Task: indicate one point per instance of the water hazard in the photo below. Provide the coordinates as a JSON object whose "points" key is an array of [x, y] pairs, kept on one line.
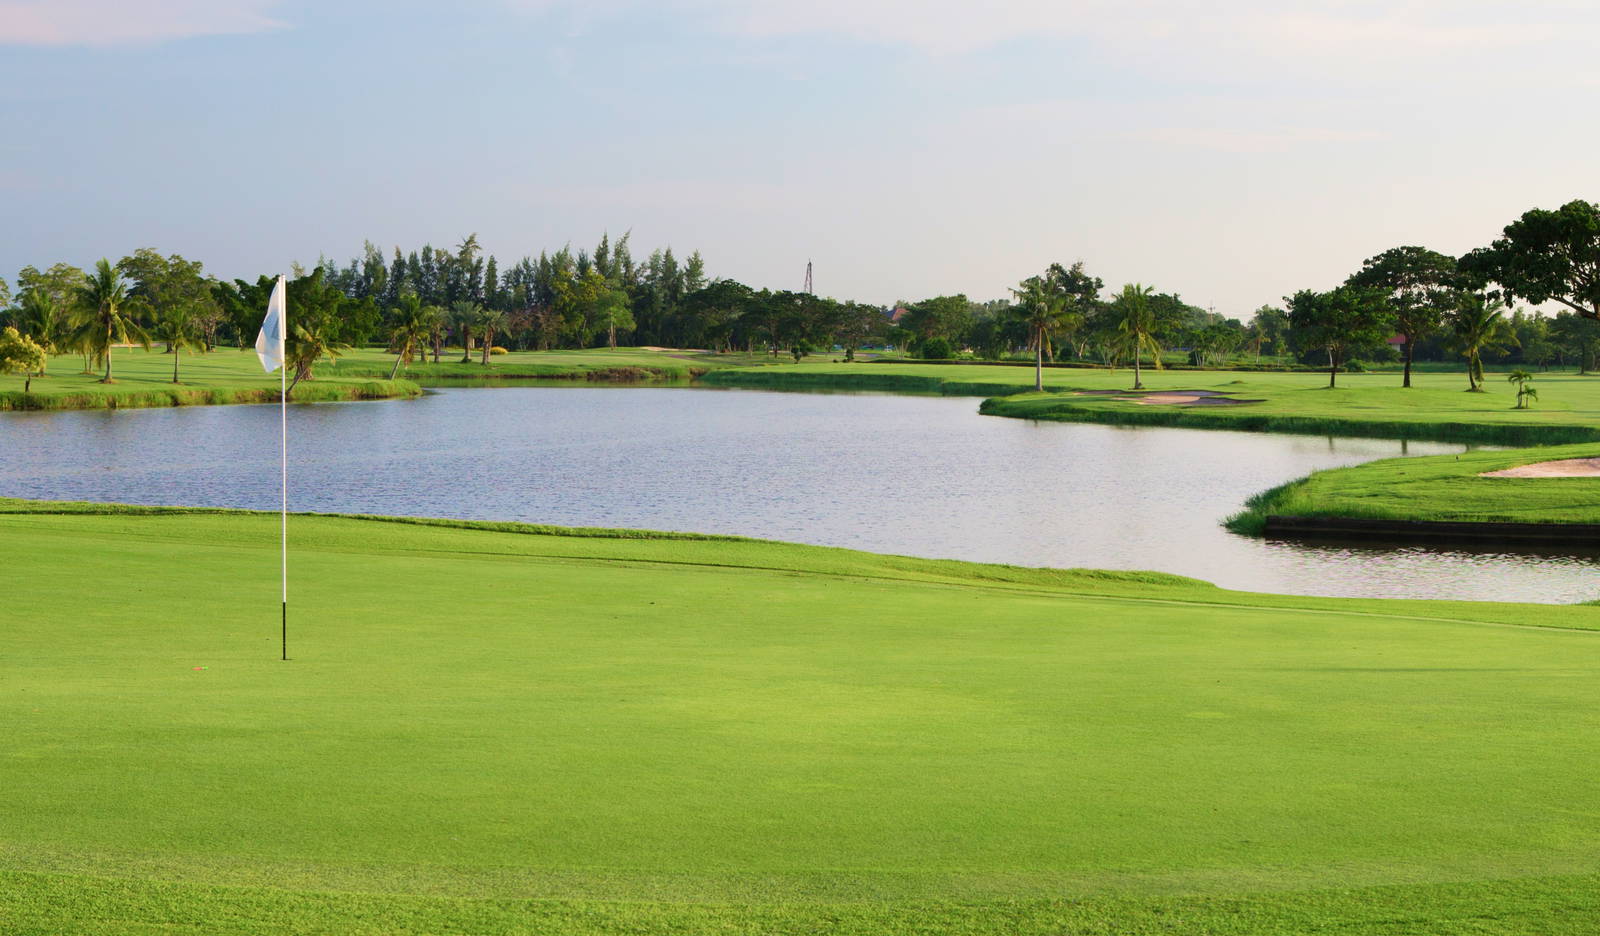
{"points": [[923, 476]]}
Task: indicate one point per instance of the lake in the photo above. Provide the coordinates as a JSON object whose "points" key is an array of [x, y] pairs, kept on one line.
{"points": [[922, 476]]}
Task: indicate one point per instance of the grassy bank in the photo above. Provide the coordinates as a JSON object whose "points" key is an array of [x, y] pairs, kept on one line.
{"points": [[505, 730], [1438, 488], [1363, 405], [144, 379], [228, 375]]}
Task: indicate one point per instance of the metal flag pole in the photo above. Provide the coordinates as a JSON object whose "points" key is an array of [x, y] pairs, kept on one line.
{"points": [[283, 425]]}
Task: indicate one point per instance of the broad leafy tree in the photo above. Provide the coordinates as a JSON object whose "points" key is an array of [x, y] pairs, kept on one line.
{"points": [[1421, 285], [20, 354], [612, 312], [1339, 322], [946, 317], [1269, 328], [1579, 337], [159, 285], [1545, 256]]}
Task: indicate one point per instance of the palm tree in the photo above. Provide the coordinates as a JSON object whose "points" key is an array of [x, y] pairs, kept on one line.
{"points": [[464, 316], [180, 329], [489, 322], [1525, 393], [1480, 325], [310, 343], [39, 319], [414, 323], [1042, 311], [105, 323], [1136, 325], [436, 329]]}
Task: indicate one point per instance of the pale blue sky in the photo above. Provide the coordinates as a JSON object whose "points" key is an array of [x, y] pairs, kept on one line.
{"points": [[1231, 153]]}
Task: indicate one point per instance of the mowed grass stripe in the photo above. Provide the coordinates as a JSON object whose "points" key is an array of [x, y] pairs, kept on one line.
{"points": [[669, 733], [46, 905]]}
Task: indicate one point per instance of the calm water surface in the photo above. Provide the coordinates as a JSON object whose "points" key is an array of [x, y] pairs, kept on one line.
{"points": [[924, 476]]}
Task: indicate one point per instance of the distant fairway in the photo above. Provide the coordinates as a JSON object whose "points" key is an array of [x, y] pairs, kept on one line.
{"points": [[502, 732]]}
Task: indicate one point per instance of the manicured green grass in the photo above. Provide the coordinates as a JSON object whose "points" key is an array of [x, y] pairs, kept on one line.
{"points": [[144, 378], [229, 375], [599, 364], [1436, 488], [1363, 404], [488, 730]]}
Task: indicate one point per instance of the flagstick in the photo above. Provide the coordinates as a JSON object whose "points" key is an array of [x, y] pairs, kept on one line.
{"points": [[283, 423]]}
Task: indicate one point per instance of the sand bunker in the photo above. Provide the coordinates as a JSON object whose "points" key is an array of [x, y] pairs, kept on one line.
{"points": [[1565, 468], [1184, 398], [1167, 397]]}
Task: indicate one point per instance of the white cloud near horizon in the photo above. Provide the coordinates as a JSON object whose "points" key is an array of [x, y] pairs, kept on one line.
{"points": [[109, 22]]}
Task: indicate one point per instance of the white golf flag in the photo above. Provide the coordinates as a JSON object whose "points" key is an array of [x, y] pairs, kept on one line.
{"points": [[269, 342]]}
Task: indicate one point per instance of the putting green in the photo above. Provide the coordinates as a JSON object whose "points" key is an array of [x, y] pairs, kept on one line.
{"points": [[496, 731]]}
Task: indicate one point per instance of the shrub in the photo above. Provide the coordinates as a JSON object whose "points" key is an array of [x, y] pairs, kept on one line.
{"points": [[937, 348], [497, 350]]}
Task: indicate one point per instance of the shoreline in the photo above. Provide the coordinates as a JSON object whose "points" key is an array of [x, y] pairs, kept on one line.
{"points": [[327, 390]]}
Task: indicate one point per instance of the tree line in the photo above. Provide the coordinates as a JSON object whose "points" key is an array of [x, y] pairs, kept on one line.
{"points": [[1422, 299], [1407, 302], [417, 303]]}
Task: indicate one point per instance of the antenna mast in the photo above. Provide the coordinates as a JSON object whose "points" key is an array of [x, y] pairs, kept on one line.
{"points": [[808, 290]]}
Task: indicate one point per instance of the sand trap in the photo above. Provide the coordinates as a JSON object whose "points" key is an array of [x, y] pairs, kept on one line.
{"points": [[1565, 468], [1185, 398]]}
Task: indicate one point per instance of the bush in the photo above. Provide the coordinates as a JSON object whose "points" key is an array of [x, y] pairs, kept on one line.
{"points": [[497, 350], [937, 349]]}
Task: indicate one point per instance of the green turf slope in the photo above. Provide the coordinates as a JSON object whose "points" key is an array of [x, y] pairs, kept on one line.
{"points": [[1436, 488], [520, 732]]}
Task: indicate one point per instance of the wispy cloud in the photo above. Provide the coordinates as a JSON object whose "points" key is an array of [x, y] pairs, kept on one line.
{"points": [[110, 22]]}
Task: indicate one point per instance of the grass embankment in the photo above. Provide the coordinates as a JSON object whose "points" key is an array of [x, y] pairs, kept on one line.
{"points": [[1436, 489], [666, 734], [144, 379]]}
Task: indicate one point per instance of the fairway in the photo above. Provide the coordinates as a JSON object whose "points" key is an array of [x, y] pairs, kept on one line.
{"points": [[637, 734]]}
